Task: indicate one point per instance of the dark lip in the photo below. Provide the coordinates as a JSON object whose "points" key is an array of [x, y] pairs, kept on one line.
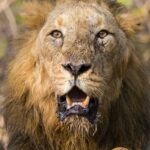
{"points": [[90, 112]]}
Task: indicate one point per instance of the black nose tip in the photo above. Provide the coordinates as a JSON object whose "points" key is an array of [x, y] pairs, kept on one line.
{"points": [[76, 70]]}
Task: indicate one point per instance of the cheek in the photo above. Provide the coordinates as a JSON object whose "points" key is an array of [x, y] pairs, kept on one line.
{"points": [[57, 62], [103, 64], [57, 43], [52, 47], [57, 70], [111, 44], [107, 44]]}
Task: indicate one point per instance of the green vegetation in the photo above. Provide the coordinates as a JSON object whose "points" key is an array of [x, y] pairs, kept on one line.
{"points": [[16, 10], [126, 2]]}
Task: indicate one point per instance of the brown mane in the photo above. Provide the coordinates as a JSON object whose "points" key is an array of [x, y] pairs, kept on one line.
{"points": [[30, 112]]}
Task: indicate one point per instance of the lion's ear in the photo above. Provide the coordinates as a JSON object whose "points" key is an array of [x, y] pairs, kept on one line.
{"points": [[129, 23], [35, 13]]}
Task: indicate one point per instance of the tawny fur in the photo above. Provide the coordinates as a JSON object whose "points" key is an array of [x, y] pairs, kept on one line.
{"points": [[30, 109]]}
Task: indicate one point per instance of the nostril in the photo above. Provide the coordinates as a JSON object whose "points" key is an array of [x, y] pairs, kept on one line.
{"points": [[84, 68], [68, 67], [76, 69]]}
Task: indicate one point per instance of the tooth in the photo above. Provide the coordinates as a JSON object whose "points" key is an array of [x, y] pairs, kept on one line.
{"points": [[69, 102], [85, 103]]}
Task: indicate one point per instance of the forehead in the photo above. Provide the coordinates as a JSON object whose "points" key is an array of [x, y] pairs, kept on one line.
{"points": [[82, 16]]}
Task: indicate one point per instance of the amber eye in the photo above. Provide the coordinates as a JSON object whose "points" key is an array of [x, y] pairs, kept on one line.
{"points": [[56, 34], [102, 34]]}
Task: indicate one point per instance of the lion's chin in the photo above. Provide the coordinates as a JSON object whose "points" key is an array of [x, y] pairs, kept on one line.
{"points": [[79, 124]]}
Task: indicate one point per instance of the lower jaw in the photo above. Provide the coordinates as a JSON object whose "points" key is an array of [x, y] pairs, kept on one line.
{"points": [[90, 113]]}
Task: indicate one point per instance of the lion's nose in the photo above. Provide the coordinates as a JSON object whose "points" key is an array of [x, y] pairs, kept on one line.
{"points": [[76, 70]]}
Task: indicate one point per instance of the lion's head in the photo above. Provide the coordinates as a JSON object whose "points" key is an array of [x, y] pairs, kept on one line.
{"points": [[83, 51], [71, 69]]}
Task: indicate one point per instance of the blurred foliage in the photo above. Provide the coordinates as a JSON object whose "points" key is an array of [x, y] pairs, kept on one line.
{"points": [[126, 2], [16, 9]]}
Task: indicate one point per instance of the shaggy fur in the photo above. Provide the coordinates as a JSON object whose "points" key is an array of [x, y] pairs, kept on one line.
{"points": [[119, 79]]}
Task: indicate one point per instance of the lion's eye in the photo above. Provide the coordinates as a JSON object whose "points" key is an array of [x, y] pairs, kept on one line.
{"points": [[56, 34], [102, 34]]}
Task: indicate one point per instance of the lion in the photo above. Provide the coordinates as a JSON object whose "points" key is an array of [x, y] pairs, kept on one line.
{"points": [[77, 83]]}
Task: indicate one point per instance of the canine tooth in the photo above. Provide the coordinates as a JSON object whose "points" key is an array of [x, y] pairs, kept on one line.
{"points": [[85, 103], [68, 100]]}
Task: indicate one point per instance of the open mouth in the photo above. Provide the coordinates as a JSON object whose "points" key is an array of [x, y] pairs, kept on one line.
{"points": [[76, 102]]}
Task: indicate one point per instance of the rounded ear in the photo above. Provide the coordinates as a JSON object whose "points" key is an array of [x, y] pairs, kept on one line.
{"points": [[35, 13], [129, 23]]}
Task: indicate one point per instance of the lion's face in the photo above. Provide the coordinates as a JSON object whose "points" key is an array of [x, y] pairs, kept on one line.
{"points": [[81, 47]]}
